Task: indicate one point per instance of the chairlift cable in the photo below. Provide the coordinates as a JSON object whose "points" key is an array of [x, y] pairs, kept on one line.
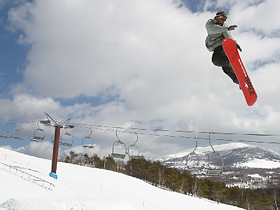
{"points": [[199, 138], [160, 132]]}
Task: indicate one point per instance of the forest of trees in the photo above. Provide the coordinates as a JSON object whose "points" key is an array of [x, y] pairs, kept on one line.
{"points": [[172, 179]]}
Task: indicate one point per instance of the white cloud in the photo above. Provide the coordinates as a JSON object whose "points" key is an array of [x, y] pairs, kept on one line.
{"points": [[38, 149], [89, 47], [148, 58], [255, 17], [24, 108], [7, 147]]}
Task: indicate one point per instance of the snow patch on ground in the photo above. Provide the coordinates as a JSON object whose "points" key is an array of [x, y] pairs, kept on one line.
{"points": [[260, 163]]}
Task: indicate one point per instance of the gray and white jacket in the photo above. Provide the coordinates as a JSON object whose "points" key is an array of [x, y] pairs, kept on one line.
{"points": [[216, 34]]}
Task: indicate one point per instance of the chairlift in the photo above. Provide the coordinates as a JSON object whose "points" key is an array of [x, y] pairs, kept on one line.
{"points": [[88, 139], [39, 134], [134, 150], [45, 122], [66, 140], [218, 170], [17, 134], [193, 162], [62, 139], [119, 149], [4, 133]]}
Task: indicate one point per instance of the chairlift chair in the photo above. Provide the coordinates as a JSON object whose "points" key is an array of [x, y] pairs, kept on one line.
{"points": [[67, 143], [214, 171], [119, 149], [193, 161], [17, 134], [4, 133], [62, 141], [134, 150], [88, 139], [45, 122], [39, 134]]}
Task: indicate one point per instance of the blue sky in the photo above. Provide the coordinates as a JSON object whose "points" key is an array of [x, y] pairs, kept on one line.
{"points": [[138, 64], [12, 55]]}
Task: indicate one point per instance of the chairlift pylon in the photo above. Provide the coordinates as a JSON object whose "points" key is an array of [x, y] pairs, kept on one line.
{"points": [[214, 171], [119, 149], [38, 134], [134, 150], [88, 139]]}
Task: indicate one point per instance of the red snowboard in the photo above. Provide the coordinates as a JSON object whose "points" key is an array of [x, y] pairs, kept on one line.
{"points": [[239, 69]]}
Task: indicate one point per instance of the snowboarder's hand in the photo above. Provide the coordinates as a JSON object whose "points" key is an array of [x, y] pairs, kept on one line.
{"points": [[238, 47], [231, 28]]}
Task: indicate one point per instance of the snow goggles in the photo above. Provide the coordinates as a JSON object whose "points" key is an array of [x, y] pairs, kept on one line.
{"points": [[224, 18]]}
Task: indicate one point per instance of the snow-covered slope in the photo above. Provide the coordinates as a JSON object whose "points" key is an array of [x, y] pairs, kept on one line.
{"points": [[80, 187]]}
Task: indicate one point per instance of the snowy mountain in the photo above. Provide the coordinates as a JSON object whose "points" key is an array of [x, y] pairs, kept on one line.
{"points": [[245, 165], [234, 155], [25, 184]]}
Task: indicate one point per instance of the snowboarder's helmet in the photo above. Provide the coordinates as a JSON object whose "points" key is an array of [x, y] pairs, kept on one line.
{"points": [[221, 14]]}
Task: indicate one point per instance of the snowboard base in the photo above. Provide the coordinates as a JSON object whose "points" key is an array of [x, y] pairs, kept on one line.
{"points": [[245, 83]]}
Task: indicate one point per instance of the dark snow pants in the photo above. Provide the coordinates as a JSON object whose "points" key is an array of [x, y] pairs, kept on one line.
{"points": [[219, 58]]}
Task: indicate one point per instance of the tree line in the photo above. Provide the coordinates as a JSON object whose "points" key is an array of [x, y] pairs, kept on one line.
{"points": [[172, 179]]}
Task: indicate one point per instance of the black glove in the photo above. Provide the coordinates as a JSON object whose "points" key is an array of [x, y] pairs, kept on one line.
{"points": [[238, 47], [231, 28]]}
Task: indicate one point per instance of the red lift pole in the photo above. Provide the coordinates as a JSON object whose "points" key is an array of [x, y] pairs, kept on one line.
{"points": [[55, 151], [56, 140]]}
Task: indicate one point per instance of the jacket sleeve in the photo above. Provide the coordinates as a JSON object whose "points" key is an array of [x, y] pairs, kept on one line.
{"points": [[213, 28], [227, 34]]}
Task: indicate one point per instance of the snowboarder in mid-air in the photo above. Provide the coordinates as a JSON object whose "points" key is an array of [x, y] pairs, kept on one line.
{"points": [[217, 31]]}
